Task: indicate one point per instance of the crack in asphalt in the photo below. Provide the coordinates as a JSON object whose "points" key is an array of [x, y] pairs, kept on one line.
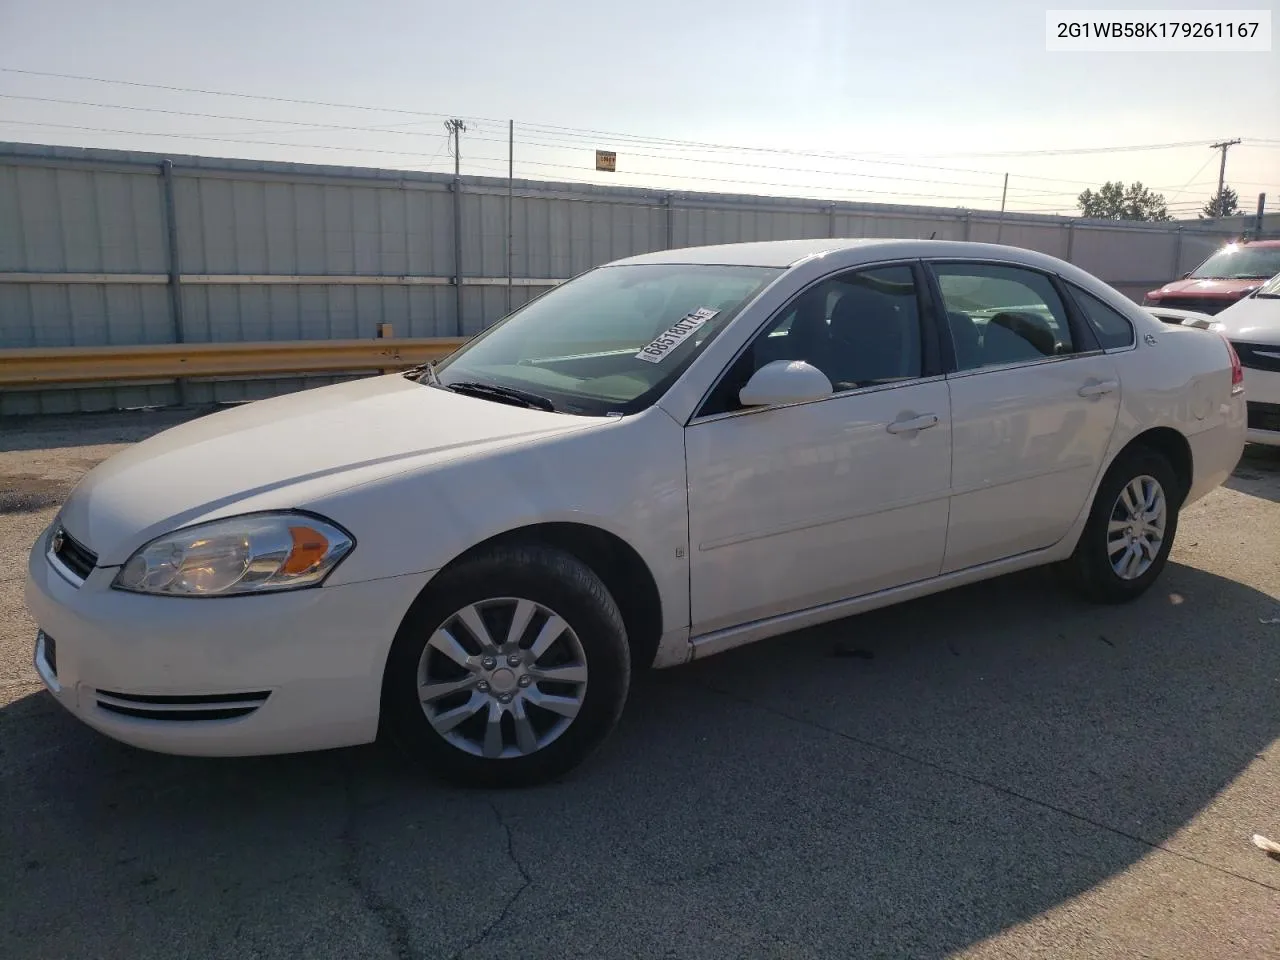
{"points": [[978, 781], [511, 902], [389, 916]]}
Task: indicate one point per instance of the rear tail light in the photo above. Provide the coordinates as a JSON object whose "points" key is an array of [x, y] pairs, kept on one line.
{"points": [[1237, 371]]}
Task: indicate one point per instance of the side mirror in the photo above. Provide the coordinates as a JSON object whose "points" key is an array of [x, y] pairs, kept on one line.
{"points": [[785, 381]]}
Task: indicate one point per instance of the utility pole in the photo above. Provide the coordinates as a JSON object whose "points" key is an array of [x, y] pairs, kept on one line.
{"points": [[455, 128], [511, 179], [1224, 146], [1003, 196]]}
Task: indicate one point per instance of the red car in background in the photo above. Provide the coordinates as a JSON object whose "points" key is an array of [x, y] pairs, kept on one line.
{"points": [[1230, 274]]}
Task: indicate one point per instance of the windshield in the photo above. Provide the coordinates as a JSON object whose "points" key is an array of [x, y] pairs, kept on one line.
{"points": [[609, 341], [1271, 288], [1240, 263]]}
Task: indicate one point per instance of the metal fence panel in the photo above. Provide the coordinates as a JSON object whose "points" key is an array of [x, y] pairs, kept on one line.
{"points": [[80, 221], [1196, 248], [695, 226], [82, 314], [1122, 256]]}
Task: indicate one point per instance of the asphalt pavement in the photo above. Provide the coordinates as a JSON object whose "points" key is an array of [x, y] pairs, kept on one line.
{"points": [[999, 771]]}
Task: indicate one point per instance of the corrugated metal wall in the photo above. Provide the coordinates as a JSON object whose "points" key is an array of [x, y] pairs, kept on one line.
{"points": [[279, 251]]}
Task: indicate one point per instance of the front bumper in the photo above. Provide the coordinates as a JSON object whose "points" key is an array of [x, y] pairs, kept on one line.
{"points": [[231, 676]]}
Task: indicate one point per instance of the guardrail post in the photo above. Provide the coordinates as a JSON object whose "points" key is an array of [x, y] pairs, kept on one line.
{"points": [[968, 223], [1071, 239], [831, 219], [175, 266], [669, 202], [1177, 256], [457, 254]]}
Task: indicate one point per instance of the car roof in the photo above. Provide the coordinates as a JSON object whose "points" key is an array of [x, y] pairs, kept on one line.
{"points": [[788, 253]]}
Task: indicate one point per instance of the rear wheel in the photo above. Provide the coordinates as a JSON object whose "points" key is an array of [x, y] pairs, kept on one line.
{"points": [[510, 670], [1127, 538]]}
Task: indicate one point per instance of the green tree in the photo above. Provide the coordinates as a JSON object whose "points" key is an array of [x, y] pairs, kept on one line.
{"points": [[1225, 203], [1115, 201]]}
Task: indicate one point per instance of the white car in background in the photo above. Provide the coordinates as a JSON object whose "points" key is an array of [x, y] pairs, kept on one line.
{"points": [[1253, 327], [664, 458], [1177, 317]]}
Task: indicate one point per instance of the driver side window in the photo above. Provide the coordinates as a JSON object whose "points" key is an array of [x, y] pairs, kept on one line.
{"points": [[860, 329]]}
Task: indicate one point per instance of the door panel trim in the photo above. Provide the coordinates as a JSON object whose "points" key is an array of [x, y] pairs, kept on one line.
{"points": [[817, 522], [1020, 478], [718, 641], [1020, 364], [842, 395]]}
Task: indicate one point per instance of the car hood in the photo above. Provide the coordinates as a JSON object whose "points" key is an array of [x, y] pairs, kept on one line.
{"points": [[277, 453], [1255, 320], [1209, 289]]}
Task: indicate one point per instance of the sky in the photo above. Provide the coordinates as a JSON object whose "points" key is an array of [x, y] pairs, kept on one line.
{"points": [[911, 102]]}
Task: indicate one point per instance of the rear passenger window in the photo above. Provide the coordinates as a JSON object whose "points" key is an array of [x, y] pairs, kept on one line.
{"points": [[1112, 328], [1000, 314]]}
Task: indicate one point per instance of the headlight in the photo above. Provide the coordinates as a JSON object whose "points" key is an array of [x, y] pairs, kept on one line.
{"points": [[257, 553]]}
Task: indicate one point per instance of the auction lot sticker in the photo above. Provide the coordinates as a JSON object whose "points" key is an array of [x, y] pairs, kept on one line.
{"points": [[676, 334]]}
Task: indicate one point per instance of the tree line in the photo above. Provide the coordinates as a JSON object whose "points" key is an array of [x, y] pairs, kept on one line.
{"points": [[1116, 201]]}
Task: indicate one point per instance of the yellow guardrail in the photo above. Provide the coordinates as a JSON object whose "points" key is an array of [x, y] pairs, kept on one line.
{"points": [[39, 366]]}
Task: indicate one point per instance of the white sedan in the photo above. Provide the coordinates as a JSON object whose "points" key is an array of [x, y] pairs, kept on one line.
{"points": [[1253, 327], [667, 457]]}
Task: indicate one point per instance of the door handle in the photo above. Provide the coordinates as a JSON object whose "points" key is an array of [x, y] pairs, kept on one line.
{"points": [[923, 422], [1098, 389]]}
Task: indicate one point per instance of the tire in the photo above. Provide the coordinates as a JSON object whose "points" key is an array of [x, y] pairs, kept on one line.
{"points": [[1090, 569], [493, 585]]}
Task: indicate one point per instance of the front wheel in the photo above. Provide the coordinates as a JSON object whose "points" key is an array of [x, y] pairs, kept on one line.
{"points": [[510, 670], [1127, 538]]}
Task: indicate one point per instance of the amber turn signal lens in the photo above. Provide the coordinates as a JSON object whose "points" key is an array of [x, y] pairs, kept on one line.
{"points": [[309, 548]]}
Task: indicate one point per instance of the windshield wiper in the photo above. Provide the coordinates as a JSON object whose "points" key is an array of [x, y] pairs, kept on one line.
{"points": [[490, 391]]}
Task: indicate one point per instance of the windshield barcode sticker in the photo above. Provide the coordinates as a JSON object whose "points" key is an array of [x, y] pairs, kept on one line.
{"points": [[676, 334]]}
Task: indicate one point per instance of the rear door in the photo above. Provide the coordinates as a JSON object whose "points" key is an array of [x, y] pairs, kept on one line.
{"points": [[1034, 401]]}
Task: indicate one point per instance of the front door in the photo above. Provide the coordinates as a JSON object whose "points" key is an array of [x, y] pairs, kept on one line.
{"points": [[1033, 406], [799, 505]]}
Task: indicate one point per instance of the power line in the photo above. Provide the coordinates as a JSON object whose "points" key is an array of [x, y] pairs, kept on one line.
{"points": [[1007, 153], [937, 197], [762, 183], [409, 153], [1183, 188], [1068, 152], [658, 143], [887, 158], [218, 139], [564, 138], [765, 166], [526, 142], [219, 116], [226, 93]]}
